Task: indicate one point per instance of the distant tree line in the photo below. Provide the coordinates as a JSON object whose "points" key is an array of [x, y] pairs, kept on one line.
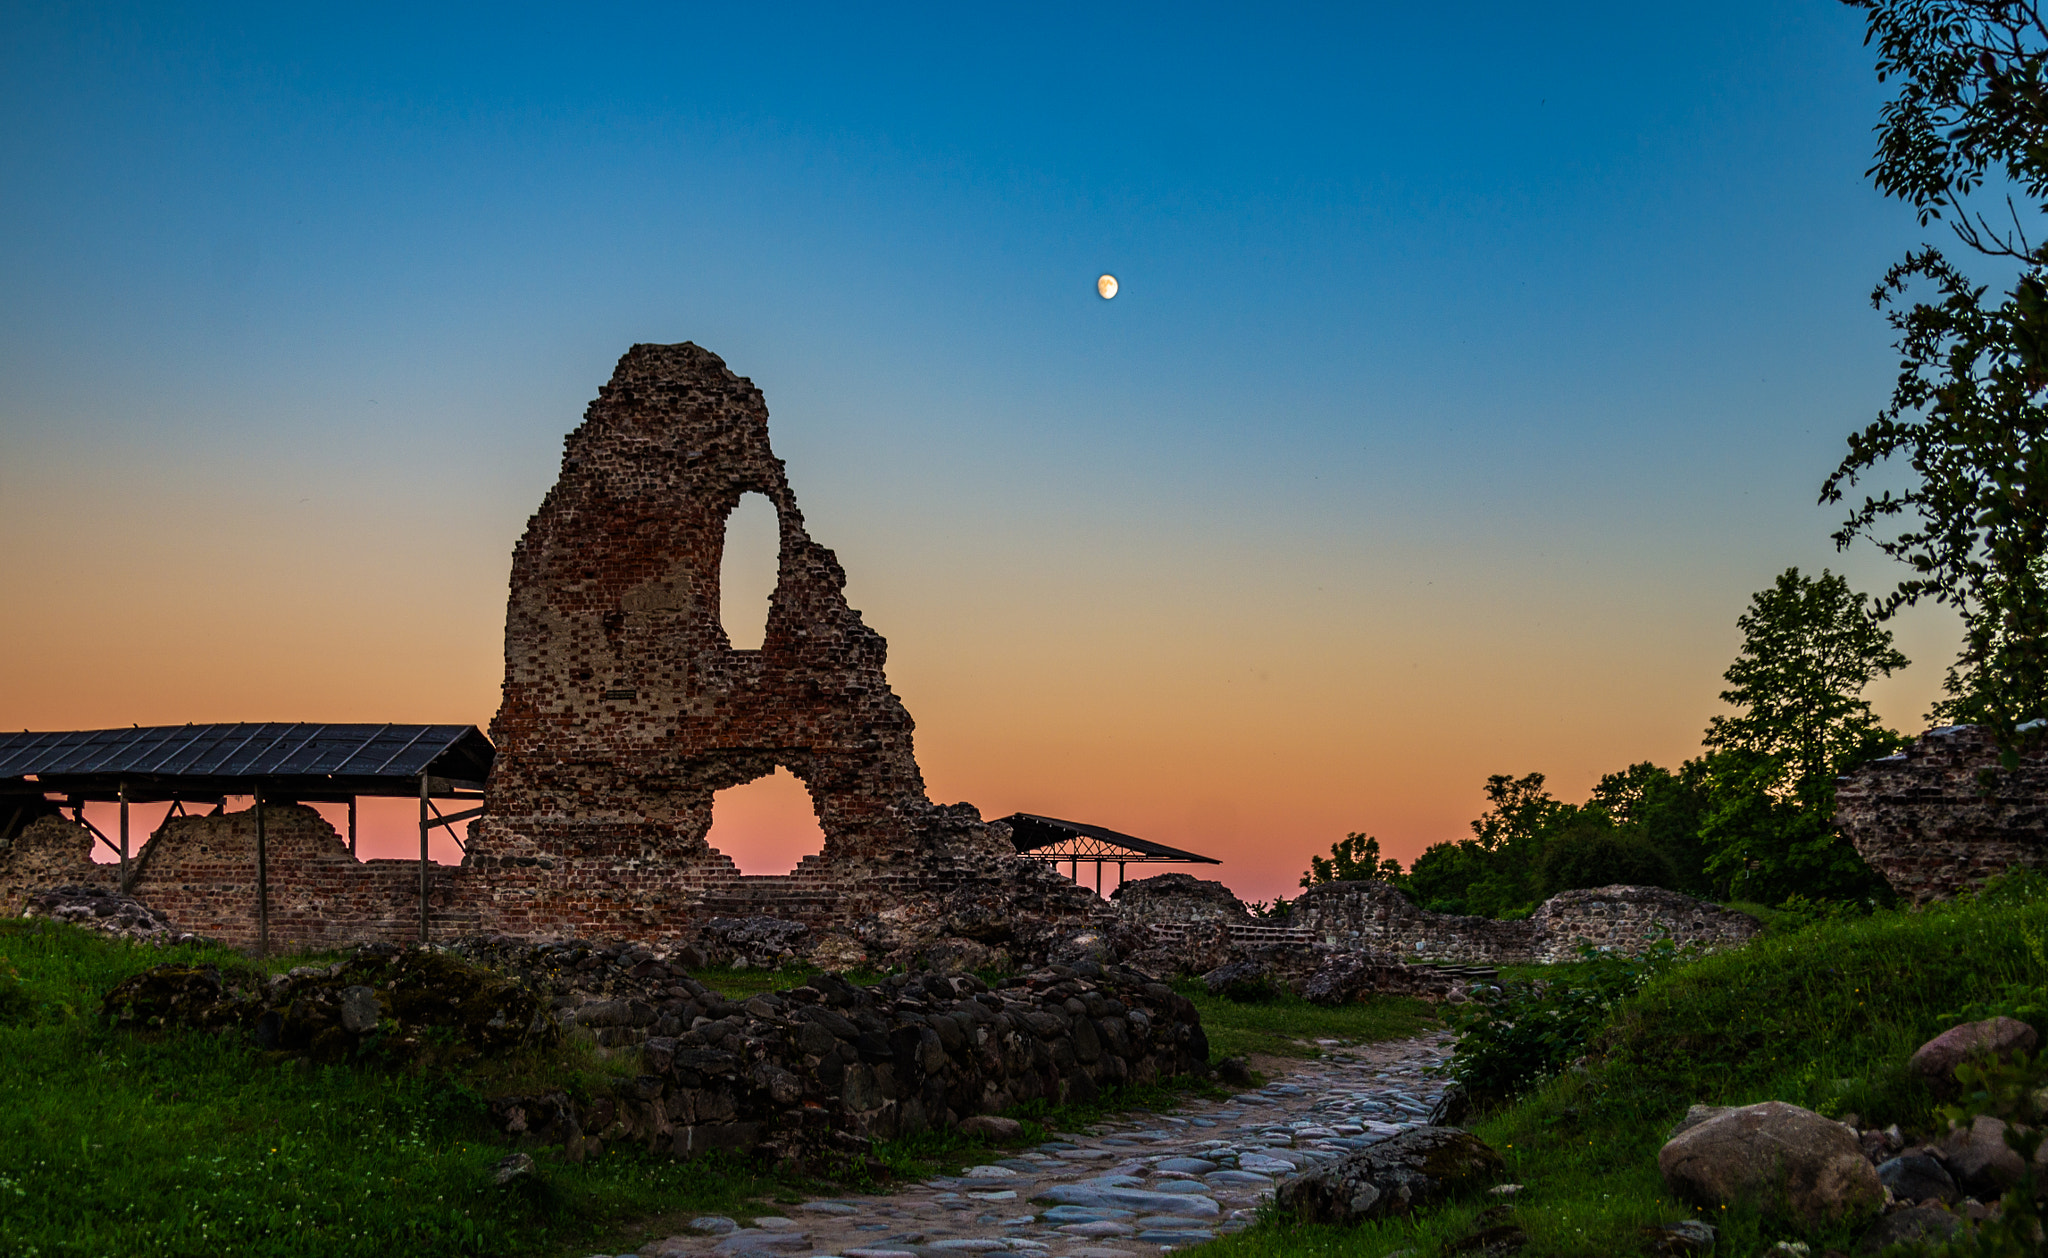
{"points": [[1748, 819]]}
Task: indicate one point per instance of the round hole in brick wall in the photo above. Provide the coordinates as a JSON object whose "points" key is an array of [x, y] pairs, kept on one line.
{"points": [[747, 571], [766, 825]]}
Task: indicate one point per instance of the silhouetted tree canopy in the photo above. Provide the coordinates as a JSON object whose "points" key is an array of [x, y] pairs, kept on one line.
{"points": [[1965, 140]]}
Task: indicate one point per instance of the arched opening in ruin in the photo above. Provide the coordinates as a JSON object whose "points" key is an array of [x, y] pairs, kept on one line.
{"points": [[748, 570], [767, 825]]}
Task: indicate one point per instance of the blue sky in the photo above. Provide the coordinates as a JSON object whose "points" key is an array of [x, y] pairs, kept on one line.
{"points": [[1469, 370]]}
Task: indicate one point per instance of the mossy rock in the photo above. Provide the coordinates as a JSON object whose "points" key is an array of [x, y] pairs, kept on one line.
{"points": [[202, 997], [430, 1005], [1409, 1172]]}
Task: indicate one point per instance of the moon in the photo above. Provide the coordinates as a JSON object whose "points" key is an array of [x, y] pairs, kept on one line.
{"points": [[1106, 286]]}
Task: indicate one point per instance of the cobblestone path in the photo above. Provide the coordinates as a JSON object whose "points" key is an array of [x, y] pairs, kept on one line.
{"points": [[1128, 1188]]}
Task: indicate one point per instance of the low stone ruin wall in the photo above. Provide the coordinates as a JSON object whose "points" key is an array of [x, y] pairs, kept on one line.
{"points": [[817, 1069], [1374, 916], [1628, 919], [829, 1065], [1944, 815], [200, 873]]}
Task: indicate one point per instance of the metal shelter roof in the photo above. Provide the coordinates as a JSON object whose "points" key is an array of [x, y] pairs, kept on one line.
{"points": [[1034, 835], [300, 760]]}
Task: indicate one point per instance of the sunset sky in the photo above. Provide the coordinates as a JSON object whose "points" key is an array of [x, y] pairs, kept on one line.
{"points": [[1470, 369]]}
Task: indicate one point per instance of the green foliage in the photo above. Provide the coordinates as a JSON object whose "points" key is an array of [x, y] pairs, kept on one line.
{"points": [[1664, 810], [1354, 858], [15, 1006], [1966, 413], [1530, 1029], [1593, 852], [1495, 871], [1809, 648], [1640, 826], [166, 1144], [1766, 789], [1764, 844]]}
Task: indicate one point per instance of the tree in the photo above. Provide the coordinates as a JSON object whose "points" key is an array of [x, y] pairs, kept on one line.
{"points": [[1767, 787], [1496, 871], [1809, 648], [1664, 810], [1354, 858], [1764, 845], [1593, 852], [1966, 411]]}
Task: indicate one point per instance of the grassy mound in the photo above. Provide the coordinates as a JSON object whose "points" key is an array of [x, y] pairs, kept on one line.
{"points": [[1824, 1017]]}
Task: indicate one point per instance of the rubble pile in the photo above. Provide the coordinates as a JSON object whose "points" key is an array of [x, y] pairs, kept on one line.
{"points": [[418, 1004], [107, 910]]}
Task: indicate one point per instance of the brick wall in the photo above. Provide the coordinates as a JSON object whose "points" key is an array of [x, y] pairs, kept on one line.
{"points": [[1945, 814]]}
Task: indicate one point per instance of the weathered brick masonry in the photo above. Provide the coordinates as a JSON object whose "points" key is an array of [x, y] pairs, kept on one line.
{"points": [[1944, 814], [625, 706], [201, 873]]}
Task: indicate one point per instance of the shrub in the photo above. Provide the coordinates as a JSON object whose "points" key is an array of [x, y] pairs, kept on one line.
{"points": [[1526, 1031]]}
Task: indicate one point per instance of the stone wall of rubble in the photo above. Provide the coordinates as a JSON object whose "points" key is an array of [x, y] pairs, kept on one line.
{"points": [[50, 852], [1945, 814], [1627, 919], [1373, 916], [830, 1065]]}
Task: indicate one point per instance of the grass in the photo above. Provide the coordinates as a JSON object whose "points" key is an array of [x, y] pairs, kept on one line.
{"points": [[1288, 1026], [181, 1143], [193, 1144], [1824, 1017]]}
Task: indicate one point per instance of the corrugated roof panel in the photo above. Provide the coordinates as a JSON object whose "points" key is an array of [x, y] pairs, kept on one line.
{"points": [[1030, 832], [248, 751]]}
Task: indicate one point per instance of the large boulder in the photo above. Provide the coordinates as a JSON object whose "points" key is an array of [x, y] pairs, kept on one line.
{"points": [[1397, 1176], [1915, 1225], [1994, 1039], [1240, 981], [1779, 1158], [1980, 1159]]}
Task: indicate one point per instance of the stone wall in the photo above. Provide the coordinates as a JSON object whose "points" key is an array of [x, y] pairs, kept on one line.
{"points": [[1944, 814], [1178, 898], [1626, 919], [200, 872], [50, 852], [1372, 916], [789, 1072]]}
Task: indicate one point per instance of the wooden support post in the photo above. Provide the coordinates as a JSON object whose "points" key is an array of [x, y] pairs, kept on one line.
{"points": [[262, 880], [351, 825], [122, 792], [423, 858]]}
